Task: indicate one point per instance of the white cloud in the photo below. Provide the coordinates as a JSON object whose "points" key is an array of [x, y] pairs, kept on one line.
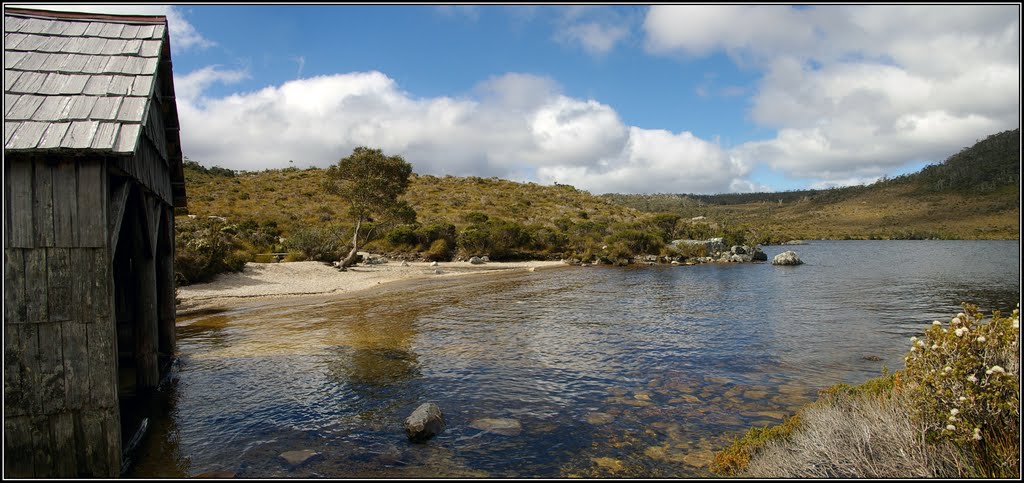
{"points": [[595, 29], [189, 88], [184, 35], [858, 91], [516, 126], [470, 12], [595, 38]]}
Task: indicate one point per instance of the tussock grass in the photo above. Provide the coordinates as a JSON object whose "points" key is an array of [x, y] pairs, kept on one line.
{"points": [[952, 412]]}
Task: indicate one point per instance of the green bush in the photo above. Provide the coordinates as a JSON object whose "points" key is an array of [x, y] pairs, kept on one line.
{"points": [[952, 412], [635, 241], [320, 243], [204, 247], [964, 381], [497, 238], [440, 251]]}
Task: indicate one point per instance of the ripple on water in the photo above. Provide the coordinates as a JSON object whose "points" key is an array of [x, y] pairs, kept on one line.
{"points": [[609, 372]]}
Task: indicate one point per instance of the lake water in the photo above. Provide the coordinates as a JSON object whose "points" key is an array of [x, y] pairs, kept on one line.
{"points": [[610, 372]]}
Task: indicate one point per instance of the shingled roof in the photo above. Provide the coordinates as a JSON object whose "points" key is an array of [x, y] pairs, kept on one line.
{"points": [[78, 81]]}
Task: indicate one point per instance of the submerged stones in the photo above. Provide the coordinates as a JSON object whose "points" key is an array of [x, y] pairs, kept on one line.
{"points": [[424, 423], [788, 257], [298, 457], [502, 426], [597, 418]]}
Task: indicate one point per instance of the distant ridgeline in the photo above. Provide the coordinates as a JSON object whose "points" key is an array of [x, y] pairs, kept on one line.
{"points": [[989, 165], [974, 194]]}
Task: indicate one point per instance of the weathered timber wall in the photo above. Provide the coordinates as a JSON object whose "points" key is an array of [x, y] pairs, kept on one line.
{"points": [[60, 391]]}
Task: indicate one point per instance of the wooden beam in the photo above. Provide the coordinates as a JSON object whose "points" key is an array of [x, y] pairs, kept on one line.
{"points": [[165, 286], [146, 314], [155, 208], [118, 203]]}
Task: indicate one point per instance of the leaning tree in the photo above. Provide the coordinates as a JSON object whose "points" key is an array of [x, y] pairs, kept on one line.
{"points": [[372, 184]]}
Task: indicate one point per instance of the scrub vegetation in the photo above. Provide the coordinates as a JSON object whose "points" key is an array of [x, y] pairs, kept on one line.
{"points": [[952, 412]]}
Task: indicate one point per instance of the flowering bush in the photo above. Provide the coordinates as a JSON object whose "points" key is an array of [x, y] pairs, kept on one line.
{"points": [[960, 390], [963, 379]]}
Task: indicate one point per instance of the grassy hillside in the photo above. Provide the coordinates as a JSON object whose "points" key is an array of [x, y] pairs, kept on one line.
{"points": [[292, 198], [974, 194], [235, 217], [241, 216]]}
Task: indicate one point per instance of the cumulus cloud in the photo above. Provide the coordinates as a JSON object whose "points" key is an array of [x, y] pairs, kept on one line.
{"points": [[597, 30], [595, 38], [855, 92], [184, 35], [516, 126]]}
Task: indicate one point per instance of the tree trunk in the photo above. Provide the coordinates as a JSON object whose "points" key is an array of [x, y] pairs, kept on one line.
{"points": [[351, 258]]}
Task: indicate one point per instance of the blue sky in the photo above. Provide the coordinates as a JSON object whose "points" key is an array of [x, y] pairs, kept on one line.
{"points": [[608, 98]]}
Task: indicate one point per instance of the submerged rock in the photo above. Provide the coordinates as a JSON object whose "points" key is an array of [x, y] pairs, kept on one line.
{"points": [[597, 418], [424, 423], [787, 258], [502, 426], [299, 457]]}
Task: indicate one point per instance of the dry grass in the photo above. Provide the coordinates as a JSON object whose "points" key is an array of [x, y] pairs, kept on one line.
{"points": [[861, 437]]}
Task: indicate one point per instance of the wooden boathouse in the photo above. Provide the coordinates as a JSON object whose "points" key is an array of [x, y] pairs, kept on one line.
{"points": [[92, 174]]}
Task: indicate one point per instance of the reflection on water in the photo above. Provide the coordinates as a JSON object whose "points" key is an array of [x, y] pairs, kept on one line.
{"points": [[630, 372]]}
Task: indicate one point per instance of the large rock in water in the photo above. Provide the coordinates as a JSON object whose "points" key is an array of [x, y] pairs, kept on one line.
{"points": [[476, 260], [787, 258], [758, 255], [424, 423]]}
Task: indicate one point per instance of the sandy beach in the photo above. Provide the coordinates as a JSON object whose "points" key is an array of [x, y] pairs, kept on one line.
{"points": [[296, 279]]}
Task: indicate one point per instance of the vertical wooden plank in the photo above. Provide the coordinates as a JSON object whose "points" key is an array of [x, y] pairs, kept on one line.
{"points": [[102, 286], [28, 366], [51, 367], [42, 447], [42, 204], [76, 364], [58, 279], [35, 285], [62, 433], [15, 302], [18, 451], [91, 454], [92, 221], [18, 223], [112, 431], [165, 284], [20, 350], [146, 333], [65, 204], [102, 364]]}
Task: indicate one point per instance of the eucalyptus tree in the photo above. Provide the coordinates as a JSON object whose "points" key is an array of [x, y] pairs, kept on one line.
{"points": [[372, 183]]}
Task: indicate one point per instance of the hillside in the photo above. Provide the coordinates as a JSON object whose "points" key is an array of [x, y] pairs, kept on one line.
{"points": [[973, 194], [292, 198]]}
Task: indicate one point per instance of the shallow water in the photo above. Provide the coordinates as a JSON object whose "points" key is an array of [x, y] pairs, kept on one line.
{"points": [[628, 372]]}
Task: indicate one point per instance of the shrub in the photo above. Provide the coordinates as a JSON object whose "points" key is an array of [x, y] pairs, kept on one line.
{"points": [[963, 380], [320, 243], [402, 236], [440, 251], [204, 247], [635, 241], [953, 411]]}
